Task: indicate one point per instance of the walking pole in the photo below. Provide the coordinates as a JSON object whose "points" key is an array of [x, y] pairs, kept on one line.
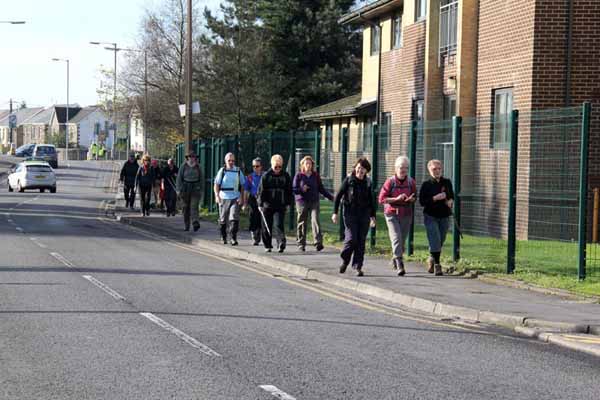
{"points": [[265, 221]]}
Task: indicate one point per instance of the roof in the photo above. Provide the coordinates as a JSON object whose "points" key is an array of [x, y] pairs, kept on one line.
{"points": [[23, 115], [346, 107], [43, 117], [84, 113], [4, 113], [371, 10], [61, 113]]}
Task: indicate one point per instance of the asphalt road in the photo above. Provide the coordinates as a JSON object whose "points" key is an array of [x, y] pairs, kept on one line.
{"points": [[91, 309]]}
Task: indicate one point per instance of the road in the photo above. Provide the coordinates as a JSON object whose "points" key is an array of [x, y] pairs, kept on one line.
{"points": [[92, 309]]}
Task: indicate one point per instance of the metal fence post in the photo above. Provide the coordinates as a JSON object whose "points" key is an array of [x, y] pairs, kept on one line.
{"points": [[318, 150], [374, 176], [583, 189], [344, 170], [457, 136], [512, 192], [211, 173], [413, 174], [292, 173]]}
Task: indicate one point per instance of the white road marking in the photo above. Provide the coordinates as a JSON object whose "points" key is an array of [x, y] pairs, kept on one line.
{"points": [[18, 228], [35, 240], [276, 392], [62, 260], [183, 336], [104, 287]]}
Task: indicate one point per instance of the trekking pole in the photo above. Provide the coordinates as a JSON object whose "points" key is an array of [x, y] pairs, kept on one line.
{"points": [[265, 221]]}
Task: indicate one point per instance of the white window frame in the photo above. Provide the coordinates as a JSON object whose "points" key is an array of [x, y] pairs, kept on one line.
{"points": [[420, 10], [397, 31], [502, 105]]}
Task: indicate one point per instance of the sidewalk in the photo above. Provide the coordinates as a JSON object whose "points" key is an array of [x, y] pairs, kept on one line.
{"points": [[571, 323]]}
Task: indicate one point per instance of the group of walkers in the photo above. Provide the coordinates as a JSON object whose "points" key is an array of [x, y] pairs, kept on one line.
{"points": [[267, 194]]}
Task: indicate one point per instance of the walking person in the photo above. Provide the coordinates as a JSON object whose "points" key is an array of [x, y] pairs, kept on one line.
{"points": [[437, 198], [127, 177], [398, 195], [359, 214], [156, 184], [144, 181], [169, 182], [190, 188], [307, 187], [251, 191], [274, 196], [229, 194]]}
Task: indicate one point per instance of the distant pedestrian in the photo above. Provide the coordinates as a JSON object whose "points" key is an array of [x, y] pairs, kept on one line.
{"points": [[229, 192], [251, 191], [127, 177], [156, 185], [274, 196], [359, 213], [144, 180], [308, 187], [437, 198], [190, 187], [169, 182], [398, 194]]}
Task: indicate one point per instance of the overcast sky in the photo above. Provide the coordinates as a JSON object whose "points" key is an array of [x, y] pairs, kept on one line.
{"points": [[63, 29]]}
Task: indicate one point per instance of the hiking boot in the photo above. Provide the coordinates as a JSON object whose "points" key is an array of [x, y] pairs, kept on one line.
{"points": [[256, 243], [319, 246], [281, 248], [224, 233], [233, 242], [359, 271], [401, 270], [233, 233], [196, 225], [343, 268], [438, 270], [430, 265]]}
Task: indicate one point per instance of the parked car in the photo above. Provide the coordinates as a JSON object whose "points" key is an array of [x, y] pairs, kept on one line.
{"points": [[25, 151], [32, 175], [46, 152]]}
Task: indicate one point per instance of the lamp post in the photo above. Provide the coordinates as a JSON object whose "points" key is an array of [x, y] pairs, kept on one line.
{"points": [[67, 116], [114, 48]]}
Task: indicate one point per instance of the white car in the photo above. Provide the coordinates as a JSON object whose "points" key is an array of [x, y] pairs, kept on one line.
{"points": [[32, 175]]}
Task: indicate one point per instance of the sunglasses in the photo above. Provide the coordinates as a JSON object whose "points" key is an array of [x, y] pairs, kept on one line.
{"points": [[256, 166], [277, 167]]}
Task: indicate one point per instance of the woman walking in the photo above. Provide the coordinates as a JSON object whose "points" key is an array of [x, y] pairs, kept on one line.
{"points": [[274, 196], [144, 180], [156, 184], [398, 195], [307, 186], [251, 191], [437, 198], [359, 213], [169, 180], [229, 194]]}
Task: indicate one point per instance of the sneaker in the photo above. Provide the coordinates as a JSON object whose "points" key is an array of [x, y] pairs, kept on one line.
{"points": [[401, 270], [343, 268], [268, 250], [281, 248], [196, 226], [319, 247], [430, 265], [302, 248], [438, 270], [234, 242]]}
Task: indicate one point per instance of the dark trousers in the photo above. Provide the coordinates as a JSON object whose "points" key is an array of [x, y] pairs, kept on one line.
{"points": [[275, 219], [171, 200], [129, 195], [145, 195], [355, 236], [255, 219]]}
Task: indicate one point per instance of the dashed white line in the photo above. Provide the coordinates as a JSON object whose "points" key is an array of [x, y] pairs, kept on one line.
{"points": [[183, 336], [35, 240], [102, 286], [277, 392], [62, 260]]}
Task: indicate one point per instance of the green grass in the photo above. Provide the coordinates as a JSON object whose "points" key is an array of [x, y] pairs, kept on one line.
{"points": [[549, 264]]}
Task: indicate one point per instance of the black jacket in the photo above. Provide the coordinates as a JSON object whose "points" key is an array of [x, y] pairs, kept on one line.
{"points": [[170, 178], [430, 188], [145, 179], [275, 191], [129, 172], [357, 195]]}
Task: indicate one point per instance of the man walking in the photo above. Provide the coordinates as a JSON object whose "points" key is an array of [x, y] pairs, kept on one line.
{"points": [[169, 180], [251, 190], [229, 192], [190, 188], [127, 177]]}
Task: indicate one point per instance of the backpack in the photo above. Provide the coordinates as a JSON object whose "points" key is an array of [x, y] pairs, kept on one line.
{"points": [[222, 172], [411, 184]]}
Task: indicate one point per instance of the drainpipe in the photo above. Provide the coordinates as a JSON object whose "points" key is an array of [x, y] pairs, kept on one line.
{"points": [[569, 53]]}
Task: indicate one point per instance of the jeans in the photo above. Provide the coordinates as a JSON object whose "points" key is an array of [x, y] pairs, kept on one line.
{"points": [[436, 232], [275, 220], [255, 219], [355, 236], [191, 201], [398, 229], [304, 211]]}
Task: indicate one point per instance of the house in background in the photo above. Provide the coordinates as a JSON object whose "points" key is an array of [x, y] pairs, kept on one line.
{"points": [[23, 116], [92, 126]]}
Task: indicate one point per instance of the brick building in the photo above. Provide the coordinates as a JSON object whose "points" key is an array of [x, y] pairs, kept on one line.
{"points": [[429, 60]]}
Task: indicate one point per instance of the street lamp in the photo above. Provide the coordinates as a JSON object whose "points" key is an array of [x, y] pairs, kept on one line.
{"points": [[67, 116], [114, 112], [12, 22]]}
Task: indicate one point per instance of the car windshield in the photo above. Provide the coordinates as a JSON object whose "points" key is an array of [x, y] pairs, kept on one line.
{"points": [[38, 168], [25, 147], [45, 150]]}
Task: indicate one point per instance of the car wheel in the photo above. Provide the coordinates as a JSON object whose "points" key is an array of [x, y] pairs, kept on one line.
{"points": [[53, 190], [10, 189], [20, 188]]}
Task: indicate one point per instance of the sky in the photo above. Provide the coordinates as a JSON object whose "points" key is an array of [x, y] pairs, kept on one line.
{"points": [[63, 29]]}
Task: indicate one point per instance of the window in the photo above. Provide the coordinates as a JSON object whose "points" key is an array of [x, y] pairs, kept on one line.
{"points": [[418, 110], [449, 106], [375, 36], [397, 31], [420, 10], [366, 134], [448, 17], [325, 155], [385, 131], [501, 108]]}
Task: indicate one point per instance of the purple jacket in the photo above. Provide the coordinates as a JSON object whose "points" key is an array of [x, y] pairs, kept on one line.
{"points": [[315, 186]]}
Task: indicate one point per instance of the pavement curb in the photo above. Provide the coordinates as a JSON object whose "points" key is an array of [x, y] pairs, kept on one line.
{"points": [[547, 331]]}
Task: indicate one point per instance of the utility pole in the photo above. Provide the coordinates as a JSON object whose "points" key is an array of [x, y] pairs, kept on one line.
{"points": [[188, 82], [146, 100], [11, 128]]}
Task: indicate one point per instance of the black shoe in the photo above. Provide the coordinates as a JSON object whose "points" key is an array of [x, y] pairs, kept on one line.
{"points": [[268, 250], [187, 229], [196, 225], [343, 268], [359, 271], [401, 270], [281, 248], [319, 247], [143, 213], [234, 242], [301, 248], [256, 243]]}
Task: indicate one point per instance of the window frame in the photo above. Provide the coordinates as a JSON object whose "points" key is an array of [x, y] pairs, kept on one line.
{"points": [[420, 10], [366, 134], [386, 123], [396, 33], [375, 39], [500, 122], [449, 106]]}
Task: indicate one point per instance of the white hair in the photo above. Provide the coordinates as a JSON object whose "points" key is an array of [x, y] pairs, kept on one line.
{"points": [[401, 161], [275, 159], [229, 155]]}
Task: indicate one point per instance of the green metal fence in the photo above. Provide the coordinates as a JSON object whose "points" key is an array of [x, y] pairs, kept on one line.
{"points": [[520, 182]]}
